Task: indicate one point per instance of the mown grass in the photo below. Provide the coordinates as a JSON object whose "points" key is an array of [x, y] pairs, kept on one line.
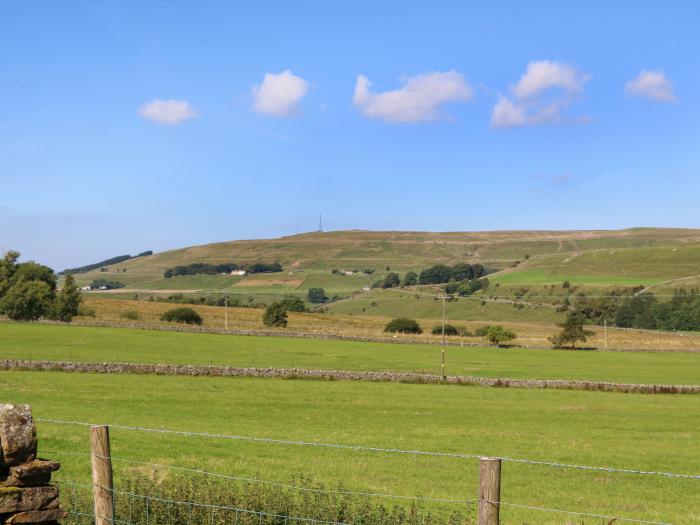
{"points": [[608, 429], [71, 343]]}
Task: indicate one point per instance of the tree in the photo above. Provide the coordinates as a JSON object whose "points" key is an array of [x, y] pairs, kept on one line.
{"points": [[572, 331], [317, 295], [8, 266], [27, 300], [67, 301], [410, 279], [183, 314], [293, 304], [275, 315], [497, 335], [449, 330], [403, 325], [392, 280]]}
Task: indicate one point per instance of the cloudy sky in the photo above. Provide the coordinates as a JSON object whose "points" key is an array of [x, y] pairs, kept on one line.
{"points": [[127, 127]]}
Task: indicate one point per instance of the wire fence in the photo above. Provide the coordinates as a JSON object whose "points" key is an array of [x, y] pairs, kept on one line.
{"points": [[139, 505]]}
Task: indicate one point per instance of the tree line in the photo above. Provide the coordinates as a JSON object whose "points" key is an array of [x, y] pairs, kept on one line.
{"points": [[114, 260], [681, 312], [28, 291], [214, 269]]}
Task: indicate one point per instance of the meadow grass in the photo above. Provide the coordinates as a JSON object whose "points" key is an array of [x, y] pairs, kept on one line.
{"points": [[543, 276], [605, 429], [91, 344]]}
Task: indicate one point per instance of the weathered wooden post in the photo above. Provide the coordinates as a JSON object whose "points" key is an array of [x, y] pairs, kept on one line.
{"points": [[102, 485], [489, 491]]}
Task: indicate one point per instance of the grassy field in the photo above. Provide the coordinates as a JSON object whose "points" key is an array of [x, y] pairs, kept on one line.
{"points": [[69, 343], [542, 276], [607, 429]]}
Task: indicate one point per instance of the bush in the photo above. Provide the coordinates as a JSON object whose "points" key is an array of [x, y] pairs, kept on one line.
{"points": [[392, 280], [449, 330], [403, 325], [317, 295], [275, 315], [497, 335], [28, 301], [132, 315], [293, 304], [182, 315]]}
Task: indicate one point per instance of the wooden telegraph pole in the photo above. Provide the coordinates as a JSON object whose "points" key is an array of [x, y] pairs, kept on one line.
{"points": [[102, 484], [489, 491]]}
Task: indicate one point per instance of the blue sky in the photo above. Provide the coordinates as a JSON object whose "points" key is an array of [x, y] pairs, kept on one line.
{"points": [[128, 126]]}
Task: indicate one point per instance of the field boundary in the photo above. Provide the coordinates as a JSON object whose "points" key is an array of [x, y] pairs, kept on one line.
{"points": [[356, 338], [339, 375]]}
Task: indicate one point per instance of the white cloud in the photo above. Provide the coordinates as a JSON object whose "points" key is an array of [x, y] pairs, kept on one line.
{"points": [[279, 94], [651, 84], [167, 111], [542, 92], [419, 99]]}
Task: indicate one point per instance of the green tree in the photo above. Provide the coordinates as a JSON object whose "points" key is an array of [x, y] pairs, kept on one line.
{"points": [[572, 331], [317, 295], [497, 335], [293, 304], [410, 279], [392, 280], [403, 325], [183, 314], [27, 300], [8, 266], [449, 330], [31, 271], [275, 315], [67, 301]]}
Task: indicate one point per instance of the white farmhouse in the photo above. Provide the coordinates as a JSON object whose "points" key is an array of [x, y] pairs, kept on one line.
{"points": [[237, 272]]}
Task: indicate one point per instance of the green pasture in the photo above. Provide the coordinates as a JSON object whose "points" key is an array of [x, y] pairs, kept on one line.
{"points": [[396, 303], [76, 343], [645, 432], [543, 276]]}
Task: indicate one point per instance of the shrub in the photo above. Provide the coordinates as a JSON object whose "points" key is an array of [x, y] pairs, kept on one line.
{"points": [[182, 315], [317, 295], [67, 301], [275, 315], [293, 304], [404, 326], [27, 301], [132, 315], [449, 330], [497, 335], [392, 280]]}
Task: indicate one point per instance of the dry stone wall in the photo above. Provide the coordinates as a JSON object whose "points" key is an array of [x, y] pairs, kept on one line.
{"points": [[25, 493]]}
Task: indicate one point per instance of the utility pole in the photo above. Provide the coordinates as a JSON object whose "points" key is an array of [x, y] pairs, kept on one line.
{"points": [[226, 311], [605, 331], [444, 299]]}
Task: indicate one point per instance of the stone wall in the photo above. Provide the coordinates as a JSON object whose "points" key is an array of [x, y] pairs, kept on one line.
{"points": [[25, 493]]}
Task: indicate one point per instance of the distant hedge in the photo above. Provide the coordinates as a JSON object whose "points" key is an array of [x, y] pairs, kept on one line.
{"points": [[182, 315], [449, 330], [403, 325], [214, 269], [114, 260]]}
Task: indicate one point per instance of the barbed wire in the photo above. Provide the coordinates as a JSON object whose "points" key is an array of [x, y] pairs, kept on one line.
{"points": [[361, 448], [265, 482], [575, 513]]}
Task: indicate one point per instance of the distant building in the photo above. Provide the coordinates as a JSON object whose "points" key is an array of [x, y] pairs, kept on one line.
{"points": [[237, 272], [366, 288], [85, 288], [348, 272]]}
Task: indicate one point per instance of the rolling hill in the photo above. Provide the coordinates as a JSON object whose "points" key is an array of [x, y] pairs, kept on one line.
{"points": [[526, 264]]}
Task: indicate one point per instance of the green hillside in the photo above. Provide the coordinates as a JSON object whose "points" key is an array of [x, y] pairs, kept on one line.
{"points": [[528, 264]]}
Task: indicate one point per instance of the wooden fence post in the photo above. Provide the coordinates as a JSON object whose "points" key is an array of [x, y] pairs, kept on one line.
{"points": [[489, 491], [102, 485]]}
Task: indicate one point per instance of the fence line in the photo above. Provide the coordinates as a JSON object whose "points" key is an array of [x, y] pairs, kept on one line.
{"points": [[361, 448], [583, 514], [265, 482], [206, 506]]}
